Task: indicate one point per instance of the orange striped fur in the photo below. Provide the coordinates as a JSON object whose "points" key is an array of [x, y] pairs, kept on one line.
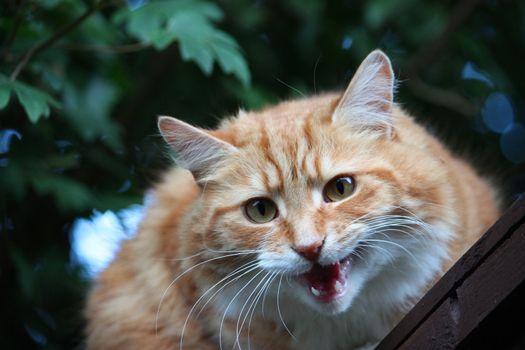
{"points": [[415, 209]]}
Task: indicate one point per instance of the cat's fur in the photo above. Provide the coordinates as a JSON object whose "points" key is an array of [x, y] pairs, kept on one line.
{"points": [[415, 210]]}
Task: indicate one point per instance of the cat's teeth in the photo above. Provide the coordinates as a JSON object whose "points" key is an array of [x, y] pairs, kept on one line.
{"points": [[338, 287], [315, 291]]}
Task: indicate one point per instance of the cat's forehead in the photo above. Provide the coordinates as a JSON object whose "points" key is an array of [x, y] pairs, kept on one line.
{"points": [[284, 149], [281, 122]]}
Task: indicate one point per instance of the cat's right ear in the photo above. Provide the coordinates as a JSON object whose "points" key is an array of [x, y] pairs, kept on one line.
{"points": [[197, 151]]}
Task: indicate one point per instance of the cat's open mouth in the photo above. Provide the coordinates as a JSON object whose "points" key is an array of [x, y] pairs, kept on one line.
{"points": [[327, 283]]}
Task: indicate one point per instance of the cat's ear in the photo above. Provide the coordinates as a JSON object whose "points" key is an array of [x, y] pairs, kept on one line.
{"points": [[368, 100], [197, 150]]}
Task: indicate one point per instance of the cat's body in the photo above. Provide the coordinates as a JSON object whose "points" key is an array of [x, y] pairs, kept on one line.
{"points": [[253, 244]]}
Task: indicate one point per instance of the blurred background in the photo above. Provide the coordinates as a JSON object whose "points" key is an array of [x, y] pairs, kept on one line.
{"points": [[82, 81]]}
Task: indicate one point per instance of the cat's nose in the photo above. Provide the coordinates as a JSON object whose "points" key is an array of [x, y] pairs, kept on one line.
{"points": [[310, 252]]}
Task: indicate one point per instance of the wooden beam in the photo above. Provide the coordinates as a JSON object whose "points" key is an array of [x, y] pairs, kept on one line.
{"points": [[473, 295]]}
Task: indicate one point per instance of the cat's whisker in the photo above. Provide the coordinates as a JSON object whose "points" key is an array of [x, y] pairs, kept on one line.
{"points": [[290, 86], [415, 235], [358, 220], [315, 71], [238, 329], [375, 246], [250, 266], [395, 222], [231, 302], [184, 258], [416, 239], [398, 228], [274, 276], [288, 280], [427, 203], [258, 292], [247, 251], [264, 290], [357, 254], [395, 218], [412, 226], [252, 307], [182, 274], [212, 251], [394, 244], [406, 210], [399, 221], [279, 308]]}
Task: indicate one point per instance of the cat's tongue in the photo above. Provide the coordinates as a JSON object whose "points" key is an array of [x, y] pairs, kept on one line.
{"points": [[328, 282]]}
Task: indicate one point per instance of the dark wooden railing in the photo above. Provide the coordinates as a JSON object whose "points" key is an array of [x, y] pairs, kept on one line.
{"points": [[480, 302]]}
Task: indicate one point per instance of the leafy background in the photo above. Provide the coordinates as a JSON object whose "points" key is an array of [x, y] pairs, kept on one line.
{"points": [[82, 81]]}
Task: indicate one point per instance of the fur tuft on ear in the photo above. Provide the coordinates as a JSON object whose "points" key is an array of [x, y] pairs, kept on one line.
{"points": [[197, 151], [368, 100]]}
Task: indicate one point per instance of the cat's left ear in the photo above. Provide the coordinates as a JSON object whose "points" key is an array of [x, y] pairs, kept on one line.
{"points": [[367, 102]]}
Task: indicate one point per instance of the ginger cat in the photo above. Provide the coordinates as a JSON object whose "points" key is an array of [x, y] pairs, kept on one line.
{"points": [[313, 224]]}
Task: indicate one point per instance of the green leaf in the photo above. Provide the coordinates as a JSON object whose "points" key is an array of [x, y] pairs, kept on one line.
{"points": [[378, 12], [202, 56], [201, 42], [88, 110], [150, 20], [69, 194], [98, 30], [35, 102], [230, 59], [190, 23], [48, 4], [5, 92]]}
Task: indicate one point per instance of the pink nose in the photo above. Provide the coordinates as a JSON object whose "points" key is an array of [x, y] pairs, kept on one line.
{"points": [[310, 252]]}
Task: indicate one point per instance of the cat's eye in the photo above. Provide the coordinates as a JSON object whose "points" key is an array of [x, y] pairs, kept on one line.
{"points": [[339, 188], [260, 210]]}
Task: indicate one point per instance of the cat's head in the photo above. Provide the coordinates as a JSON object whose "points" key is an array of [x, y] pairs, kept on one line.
{"points": [[319, 191]]}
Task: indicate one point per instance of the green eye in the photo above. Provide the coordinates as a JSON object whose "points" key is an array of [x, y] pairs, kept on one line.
{"points": [[260, 210], [339, 188]]}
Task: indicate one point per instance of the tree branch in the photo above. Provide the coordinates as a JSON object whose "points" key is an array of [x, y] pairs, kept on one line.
{"points": [[127, 48], [430, 52], [442, 97], [53, 38]]}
